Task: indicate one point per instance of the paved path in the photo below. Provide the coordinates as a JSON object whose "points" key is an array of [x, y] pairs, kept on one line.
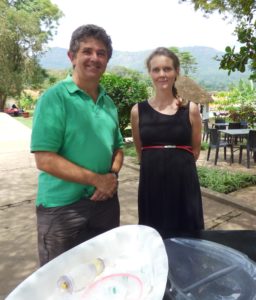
{"points": [[18, 252]]}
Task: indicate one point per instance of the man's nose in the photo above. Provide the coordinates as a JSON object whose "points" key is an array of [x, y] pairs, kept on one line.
{"points": [[94, 55]]}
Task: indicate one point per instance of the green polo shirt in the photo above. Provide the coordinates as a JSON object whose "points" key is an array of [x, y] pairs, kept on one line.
{"points": [[67, 121]]}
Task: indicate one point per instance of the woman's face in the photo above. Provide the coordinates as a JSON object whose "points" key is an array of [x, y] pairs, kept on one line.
{"points": [[162, 72]]}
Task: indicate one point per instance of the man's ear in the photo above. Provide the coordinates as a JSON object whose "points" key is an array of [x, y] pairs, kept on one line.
{"points": [[70, 55]]}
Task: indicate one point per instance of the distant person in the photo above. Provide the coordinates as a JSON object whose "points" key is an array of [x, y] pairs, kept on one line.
{"points": [[167, 135], [14, 110], [78, 148]]}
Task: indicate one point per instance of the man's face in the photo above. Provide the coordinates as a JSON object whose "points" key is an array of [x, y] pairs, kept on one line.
{"points": [[91, 59]]}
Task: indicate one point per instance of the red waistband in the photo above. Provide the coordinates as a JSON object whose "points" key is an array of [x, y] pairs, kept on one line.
{"points": [[187, 148]]}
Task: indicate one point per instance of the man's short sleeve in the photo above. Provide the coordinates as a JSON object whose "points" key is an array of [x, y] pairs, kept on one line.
{"points": [[48, 122]]}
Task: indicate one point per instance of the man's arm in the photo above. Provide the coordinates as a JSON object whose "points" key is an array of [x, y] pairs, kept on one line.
{"points": [[117, 163], [56, 165], [117, 160]]}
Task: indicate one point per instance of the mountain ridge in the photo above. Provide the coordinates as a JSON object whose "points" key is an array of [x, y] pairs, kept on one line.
{"points": [[208, 73]]}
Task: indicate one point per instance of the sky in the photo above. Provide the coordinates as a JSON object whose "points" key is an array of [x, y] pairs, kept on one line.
{"points": [[136, 25]]}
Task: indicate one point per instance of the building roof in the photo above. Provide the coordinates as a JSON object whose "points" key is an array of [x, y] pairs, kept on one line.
{"points": [[190, 90]]}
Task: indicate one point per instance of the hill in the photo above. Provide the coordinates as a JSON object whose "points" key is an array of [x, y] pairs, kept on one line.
{"points": [[207, 75]]}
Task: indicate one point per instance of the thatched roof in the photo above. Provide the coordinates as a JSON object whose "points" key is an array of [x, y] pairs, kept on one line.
{"points": [[190, 90]]}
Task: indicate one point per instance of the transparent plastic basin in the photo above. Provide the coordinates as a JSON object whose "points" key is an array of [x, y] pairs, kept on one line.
{"points": [[200, 269]]}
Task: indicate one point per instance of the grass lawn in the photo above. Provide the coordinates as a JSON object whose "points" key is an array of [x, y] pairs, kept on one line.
{"points": [[224, 181], [25, 121]]}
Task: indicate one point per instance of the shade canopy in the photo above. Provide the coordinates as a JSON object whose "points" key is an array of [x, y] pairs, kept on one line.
{"points": [[190, 90]]}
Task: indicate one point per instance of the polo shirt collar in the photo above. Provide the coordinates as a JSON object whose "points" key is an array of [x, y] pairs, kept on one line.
{"points": [[73, 88]]}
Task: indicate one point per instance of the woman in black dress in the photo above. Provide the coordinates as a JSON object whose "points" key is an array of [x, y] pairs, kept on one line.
{"points": [[167, 135]]}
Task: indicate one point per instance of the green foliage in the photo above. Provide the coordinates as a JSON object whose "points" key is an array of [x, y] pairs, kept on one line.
{"points": [[125, 92], [224, 181], [26, 101], [129, 150], [243, 12], [240, 102], [187, 61], [25, 121], [248, 114], [243, 93], [54, 76], [26, 25], [204, 145], [125, 72]]}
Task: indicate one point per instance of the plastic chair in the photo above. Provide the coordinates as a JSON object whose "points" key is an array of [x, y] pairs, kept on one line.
{"points": [[250, 147], [234, 125], [220, 120], [244, 124], [206, 132], [217, 143]]}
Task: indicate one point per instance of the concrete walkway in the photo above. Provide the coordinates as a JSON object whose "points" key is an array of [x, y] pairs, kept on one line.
{"points": [[18, 185]]}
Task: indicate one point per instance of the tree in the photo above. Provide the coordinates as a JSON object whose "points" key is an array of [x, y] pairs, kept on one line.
{"points": [[26, 26], [125, 72], [187, 61], [125, 92], [239, 101], [243, 12]]}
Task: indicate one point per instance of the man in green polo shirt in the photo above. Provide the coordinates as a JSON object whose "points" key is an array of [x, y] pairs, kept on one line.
{"points": [[78, 150]]}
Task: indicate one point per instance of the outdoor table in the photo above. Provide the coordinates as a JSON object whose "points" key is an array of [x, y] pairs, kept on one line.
{"points": [[234, 134]]}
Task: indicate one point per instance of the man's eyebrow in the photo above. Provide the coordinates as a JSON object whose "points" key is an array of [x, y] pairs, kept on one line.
{"points": [[90, 48]]}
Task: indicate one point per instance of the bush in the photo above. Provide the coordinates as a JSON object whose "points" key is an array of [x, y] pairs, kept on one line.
{"points": [[204, 145], [224, 181], [125, 92], [129, 150], [26, 101]]}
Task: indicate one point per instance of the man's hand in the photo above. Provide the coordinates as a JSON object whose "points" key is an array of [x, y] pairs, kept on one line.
{"points": [[106, 187]]}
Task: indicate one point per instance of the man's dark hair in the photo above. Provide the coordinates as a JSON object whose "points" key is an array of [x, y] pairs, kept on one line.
{"points": [[90, 31]]}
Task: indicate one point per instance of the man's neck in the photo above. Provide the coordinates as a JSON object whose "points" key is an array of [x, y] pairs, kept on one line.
{"points": [[89, 87]]}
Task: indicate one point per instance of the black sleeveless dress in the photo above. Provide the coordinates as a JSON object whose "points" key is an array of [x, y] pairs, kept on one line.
{"points": [[169, 197]]}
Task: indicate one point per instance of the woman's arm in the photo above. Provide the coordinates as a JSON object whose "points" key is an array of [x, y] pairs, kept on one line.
{"points": [[135, 130], [196, 124]]}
